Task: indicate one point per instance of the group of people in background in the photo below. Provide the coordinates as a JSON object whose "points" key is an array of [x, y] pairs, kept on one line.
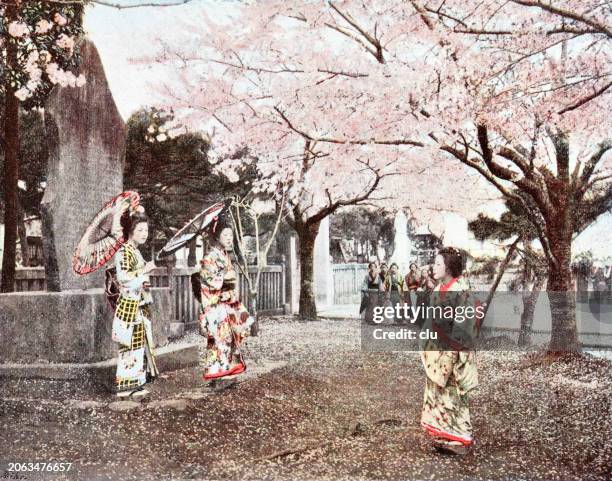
{"points": [[386, 285]]}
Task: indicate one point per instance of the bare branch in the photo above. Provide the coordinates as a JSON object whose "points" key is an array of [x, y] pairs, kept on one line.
{"points": [[586, 99], [332, 140], [567, 14]]}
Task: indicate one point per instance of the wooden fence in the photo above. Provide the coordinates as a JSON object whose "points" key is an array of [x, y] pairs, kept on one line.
{"points": [[348, 279], [270, 300], [30, 279]]}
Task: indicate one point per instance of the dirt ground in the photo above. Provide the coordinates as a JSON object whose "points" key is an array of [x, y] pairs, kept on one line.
{"points": [[313, 406]]}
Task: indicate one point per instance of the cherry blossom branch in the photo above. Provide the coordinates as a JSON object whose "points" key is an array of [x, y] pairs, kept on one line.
{"points": [[591, 165], [372, 40], [332, 140], [600, 27], [105, 3], [333, 206], [463, 157], [586, 99]]}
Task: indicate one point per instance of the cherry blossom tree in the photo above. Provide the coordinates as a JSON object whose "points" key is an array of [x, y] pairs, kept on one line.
{"points": [[517, 91], [37, 51], [321, 175]]}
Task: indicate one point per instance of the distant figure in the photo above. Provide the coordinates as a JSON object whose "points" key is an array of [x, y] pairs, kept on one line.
{"points": [[599, 289], [384, 270], [412, 282], [394, 287], [370, 292]]}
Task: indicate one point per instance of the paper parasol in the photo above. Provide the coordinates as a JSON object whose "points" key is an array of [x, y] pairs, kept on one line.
{"points": [[104, 235], [193, 228]]}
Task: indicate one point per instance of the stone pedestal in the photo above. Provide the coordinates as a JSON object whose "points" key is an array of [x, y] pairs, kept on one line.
{"points": [[323, 274], [68, 326], [292, 277], [86, 137]]}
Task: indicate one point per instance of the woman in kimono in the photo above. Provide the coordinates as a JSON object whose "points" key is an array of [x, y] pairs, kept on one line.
{"points": [[131, 324], [394, 288], [370, 292], [223, 317], [449, 362]]}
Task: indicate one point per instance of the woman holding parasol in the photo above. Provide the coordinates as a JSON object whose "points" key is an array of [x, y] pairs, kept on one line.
{"points": [[223, 316], [119, 229]]}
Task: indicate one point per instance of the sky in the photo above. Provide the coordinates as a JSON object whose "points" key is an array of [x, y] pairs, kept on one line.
{"points": [[121, 34]]}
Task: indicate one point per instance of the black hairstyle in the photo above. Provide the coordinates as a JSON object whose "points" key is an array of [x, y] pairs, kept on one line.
{"points": [[130, 221], [454, 260], [217, 227]]}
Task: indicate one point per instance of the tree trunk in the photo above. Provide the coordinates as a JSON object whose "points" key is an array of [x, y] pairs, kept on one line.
{"points": [[529, 303], [11, 169], [562, 298], [252, 308], [500, 274], [307, 233]]}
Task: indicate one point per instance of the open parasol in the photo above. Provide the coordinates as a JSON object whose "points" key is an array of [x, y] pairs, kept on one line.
{"points": [[193, 228], [104, 235]]}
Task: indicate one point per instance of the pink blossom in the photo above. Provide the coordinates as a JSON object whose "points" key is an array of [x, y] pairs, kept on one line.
{"points": [[43, 26], [22, 94], [81, 80], [60, 19], [18, 29], [65, 42], [161, 138]]}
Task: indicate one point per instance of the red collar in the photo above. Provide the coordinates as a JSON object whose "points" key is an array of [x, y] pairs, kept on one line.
{"points": [[446, 287]]}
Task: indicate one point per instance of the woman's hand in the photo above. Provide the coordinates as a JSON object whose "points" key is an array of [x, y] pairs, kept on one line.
{"points": [[149, 266]]}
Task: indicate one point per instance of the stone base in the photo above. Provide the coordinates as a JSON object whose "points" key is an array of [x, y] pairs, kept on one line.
{"points": [[169, 358], [175, 330], [68, 326]]}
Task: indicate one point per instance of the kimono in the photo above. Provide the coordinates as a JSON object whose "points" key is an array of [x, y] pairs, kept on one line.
{"points": [[411, 285], [450, 367], [222, 315], [394, 285], [370, 296], [131, 324]]}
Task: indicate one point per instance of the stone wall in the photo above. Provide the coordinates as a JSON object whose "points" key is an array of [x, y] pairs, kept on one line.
{"points": [[67, 327]]}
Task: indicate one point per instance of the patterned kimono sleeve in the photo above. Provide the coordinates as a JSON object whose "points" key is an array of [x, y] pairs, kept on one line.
{"points": [[211, 275], [128, 275], [464, 326]]}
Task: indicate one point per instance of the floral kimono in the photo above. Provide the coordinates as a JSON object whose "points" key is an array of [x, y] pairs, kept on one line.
{"points": [[450, 367], [131, 325], [223, 316]]}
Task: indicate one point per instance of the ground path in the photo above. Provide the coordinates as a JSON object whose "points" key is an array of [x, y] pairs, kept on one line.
{"points": [[313, 406]]}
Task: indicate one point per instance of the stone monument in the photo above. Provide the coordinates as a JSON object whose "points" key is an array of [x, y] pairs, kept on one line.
{"points": [[86, 137]]}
